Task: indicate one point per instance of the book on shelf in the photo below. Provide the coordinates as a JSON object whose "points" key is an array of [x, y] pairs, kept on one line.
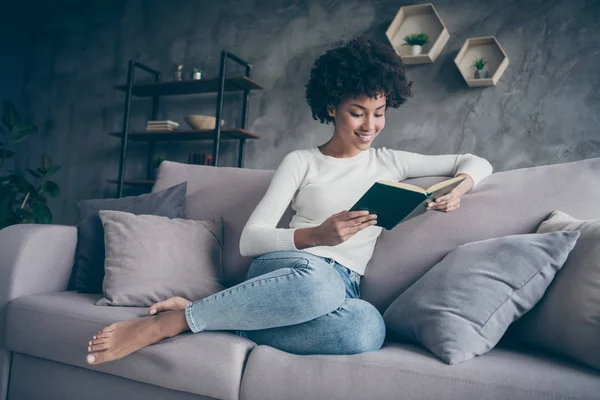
{"points": [[160, 128], [162, 122], [161, 125], [397, 202]]}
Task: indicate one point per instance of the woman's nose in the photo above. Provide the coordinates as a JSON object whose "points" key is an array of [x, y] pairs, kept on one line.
{"points": [[369, 124]]}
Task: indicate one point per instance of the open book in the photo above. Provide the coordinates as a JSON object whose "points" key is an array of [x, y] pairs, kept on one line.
{"points": [[396, 202]]}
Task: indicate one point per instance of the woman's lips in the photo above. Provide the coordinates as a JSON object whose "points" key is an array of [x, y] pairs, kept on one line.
{"points": [[365, 138]]}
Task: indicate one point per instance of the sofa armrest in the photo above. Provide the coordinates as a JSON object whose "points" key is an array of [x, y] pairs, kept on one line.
{"points": [[33, 259]]}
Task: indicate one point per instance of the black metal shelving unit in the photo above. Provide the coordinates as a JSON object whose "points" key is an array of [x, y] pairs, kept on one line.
{"points": [[158, 89]]}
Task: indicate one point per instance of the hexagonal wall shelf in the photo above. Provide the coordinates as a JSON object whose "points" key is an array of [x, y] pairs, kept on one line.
{"points": [[491, 51], [416, 19]]}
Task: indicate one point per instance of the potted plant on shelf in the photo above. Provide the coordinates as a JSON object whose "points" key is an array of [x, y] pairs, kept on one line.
{"points": [[416, 41], [196, 74], [480, 71]]}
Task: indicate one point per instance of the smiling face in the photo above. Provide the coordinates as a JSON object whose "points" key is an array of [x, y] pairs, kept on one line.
{"points": [[358, 121]]}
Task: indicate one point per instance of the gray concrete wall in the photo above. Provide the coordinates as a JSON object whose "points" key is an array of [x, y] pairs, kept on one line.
{"points": [[544, 110], [14, 46]]}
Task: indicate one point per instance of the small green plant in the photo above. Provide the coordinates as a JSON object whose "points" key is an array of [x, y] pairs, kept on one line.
{"points": [[479, 63], [23, 194], [196, 70], [416, 39]]}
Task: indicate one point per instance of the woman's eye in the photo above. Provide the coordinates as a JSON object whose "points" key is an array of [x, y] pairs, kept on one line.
{"points": [[379, 116], [356, 115]]}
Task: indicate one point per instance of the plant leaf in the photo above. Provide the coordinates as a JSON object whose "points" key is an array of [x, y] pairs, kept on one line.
{"points": [[37, 198], [8, 152], [22, 130], [53, 169], [10, 116], [7, 217], [41, 213], [23, 214], [34, 173], [51, 188]]}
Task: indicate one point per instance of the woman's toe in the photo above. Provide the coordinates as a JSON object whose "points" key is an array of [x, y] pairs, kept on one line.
{"points": [[97, 347]]}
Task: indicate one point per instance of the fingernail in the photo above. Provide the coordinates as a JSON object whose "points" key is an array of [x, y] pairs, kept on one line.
{"points": [[153, 311], [89, 349], [365, 213], [91, 359], [94, 337], [90, 343]]}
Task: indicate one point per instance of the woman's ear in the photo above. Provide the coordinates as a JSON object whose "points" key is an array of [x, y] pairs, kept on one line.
{"points": [[331, 110]]}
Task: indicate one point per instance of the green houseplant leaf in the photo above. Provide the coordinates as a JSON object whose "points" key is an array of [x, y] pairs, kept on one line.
{"points": [[51, 188], [416, 39], [8, 153], [33, 173], [25, 216], [22, 130], [23, 192], [41, 213], [52, 170]]}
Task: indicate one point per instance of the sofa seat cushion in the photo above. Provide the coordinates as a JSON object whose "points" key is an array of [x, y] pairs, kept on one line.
{"points": [[58, 327], [409, 372]]}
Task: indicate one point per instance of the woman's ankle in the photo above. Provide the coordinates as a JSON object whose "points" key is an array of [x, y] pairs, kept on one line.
{"points": [[171, 323]]}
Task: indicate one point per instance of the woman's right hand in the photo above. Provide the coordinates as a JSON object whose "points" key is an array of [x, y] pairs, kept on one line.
{"points": [[342, 226]]}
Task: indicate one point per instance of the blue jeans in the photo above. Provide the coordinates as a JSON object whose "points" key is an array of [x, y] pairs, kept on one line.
{"points": [[297, 302]]}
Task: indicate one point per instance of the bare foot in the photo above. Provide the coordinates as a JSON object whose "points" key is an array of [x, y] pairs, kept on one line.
{"points": [[171, 304], [123, 338]]}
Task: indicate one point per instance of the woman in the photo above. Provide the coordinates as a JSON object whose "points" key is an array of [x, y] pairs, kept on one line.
{"points": [[302, 290]]}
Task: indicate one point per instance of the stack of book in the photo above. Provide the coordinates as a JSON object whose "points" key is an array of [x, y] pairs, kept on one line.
{"points": [[166, 125]]}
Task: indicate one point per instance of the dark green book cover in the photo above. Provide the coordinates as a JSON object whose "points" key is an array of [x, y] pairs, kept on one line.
{"points": [[396, 202]]}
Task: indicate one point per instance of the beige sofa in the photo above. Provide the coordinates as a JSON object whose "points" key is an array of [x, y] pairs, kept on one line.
{"points": [[45, 328]]}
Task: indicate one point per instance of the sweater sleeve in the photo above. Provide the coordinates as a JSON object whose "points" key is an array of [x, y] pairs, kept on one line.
{"points": [[413, 165], [260, 234]]}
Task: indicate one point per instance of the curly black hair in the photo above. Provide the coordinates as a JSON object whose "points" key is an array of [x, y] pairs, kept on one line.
{"points": [[360, 67]]}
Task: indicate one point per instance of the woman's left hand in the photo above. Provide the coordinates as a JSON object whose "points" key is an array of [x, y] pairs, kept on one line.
{"points": [[451, 201]]}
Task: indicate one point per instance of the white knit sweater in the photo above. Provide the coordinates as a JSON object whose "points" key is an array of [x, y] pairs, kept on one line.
{"points": [[319, 186]]}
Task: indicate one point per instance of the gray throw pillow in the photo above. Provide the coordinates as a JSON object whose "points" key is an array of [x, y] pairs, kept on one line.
{"points": [[89, 271], [150, 258], [567, 319], [463, 305]]}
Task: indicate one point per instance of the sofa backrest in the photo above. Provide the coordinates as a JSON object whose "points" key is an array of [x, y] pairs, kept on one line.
{"points": [[231, 193], [505, 203]]}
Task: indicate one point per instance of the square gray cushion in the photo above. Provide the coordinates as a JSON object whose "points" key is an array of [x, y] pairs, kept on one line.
{"points": [[567, 319], [462, 306], [89, 271], [151, 258]]}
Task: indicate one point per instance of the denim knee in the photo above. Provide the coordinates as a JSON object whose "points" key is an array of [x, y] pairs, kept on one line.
{"points": [[328, 288], [367, 333], [321, 287]]}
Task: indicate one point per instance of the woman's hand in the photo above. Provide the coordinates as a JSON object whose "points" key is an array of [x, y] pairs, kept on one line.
{"points": [[451, 201], [342, 226]]}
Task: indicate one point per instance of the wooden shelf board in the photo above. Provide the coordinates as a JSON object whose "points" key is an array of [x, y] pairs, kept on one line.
{"points": [[133, 182], [205, 134], [416, 19], [209, 85], [491, 51]]}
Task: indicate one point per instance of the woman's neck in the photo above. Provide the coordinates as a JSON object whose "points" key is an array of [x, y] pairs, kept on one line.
{"points": [[336, 148]]}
